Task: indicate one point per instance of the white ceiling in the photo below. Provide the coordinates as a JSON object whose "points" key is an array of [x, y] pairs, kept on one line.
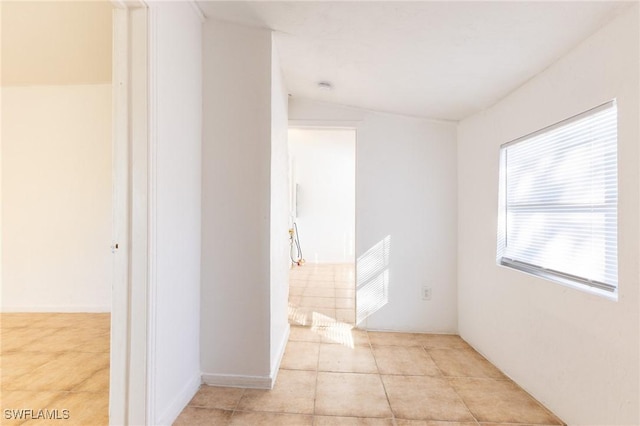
{"points": [[443, 60]]}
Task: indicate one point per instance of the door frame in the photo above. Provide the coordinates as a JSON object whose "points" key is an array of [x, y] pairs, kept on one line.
{"points": [[129, 371]]}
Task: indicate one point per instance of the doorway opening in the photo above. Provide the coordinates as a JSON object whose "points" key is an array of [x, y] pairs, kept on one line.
{"points": [[74, 94], [57, 209], [322, 213]]}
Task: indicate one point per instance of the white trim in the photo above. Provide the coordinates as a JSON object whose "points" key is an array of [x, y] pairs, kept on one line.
{"points": [[128, 372], [171, 413], [119, 357], [251, 382], [198, 11], [138, 397], [100, 309], [129, 4], [613, 296], [238, 381], [119, 4], [152, 314], [324, 124]]}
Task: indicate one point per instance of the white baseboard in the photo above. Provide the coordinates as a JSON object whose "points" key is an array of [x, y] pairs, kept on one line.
{"points": [[237, 381], [250, 382], [57, 309], [171, 413]]}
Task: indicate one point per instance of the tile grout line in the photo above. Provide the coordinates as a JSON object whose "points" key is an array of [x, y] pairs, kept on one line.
{"points": [[235, 409], [386, 394], [424, 348], [315, 390], [335, 296]]}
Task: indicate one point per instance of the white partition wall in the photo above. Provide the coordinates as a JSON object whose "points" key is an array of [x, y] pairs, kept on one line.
{"points": [[244, 182]]}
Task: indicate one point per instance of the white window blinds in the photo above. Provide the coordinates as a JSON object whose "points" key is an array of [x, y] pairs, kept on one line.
{"points": [[559, 198]]}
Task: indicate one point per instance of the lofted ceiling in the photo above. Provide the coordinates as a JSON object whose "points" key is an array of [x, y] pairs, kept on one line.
{"points": [[444, 60]]}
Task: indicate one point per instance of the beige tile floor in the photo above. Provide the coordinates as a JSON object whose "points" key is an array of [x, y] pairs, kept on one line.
{"points": [[52, 361], [322, 294], [333, 374]]}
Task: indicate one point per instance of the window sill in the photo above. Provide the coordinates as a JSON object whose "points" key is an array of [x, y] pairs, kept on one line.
{"points": [[566, 282]]}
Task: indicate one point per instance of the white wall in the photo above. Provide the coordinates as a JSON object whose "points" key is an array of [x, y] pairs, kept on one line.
{"points": [[405, 217], [56, 198], [576, 352], [242, 247], [324, 169], [176, 70], [279, 214]]}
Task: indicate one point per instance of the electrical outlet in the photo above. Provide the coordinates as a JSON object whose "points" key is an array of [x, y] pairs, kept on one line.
{"points": [[426, 293]]}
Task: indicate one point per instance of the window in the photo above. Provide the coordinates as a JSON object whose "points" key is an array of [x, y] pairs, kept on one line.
{"points": [[559, 201]]}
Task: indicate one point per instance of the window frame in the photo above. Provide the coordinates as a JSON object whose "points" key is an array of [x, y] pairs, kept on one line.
{"points": [[564, 278]]}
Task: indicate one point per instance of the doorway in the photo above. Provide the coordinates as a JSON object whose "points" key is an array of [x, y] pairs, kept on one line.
{"points": [[322, 277], [57, 206], [122, 30]]}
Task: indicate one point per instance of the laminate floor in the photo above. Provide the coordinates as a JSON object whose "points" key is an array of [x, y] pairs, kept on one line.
{"points": [[54, 369]]}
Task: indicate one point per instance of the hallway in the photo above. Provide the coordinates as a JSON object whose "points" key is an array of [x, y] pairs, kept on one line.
{"points": [[334, 374], [383, 379]]}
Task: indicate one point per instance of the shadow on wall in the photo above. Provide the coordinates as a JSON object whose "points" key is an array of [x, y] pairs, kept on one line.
{"points": [[372, 288]]}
